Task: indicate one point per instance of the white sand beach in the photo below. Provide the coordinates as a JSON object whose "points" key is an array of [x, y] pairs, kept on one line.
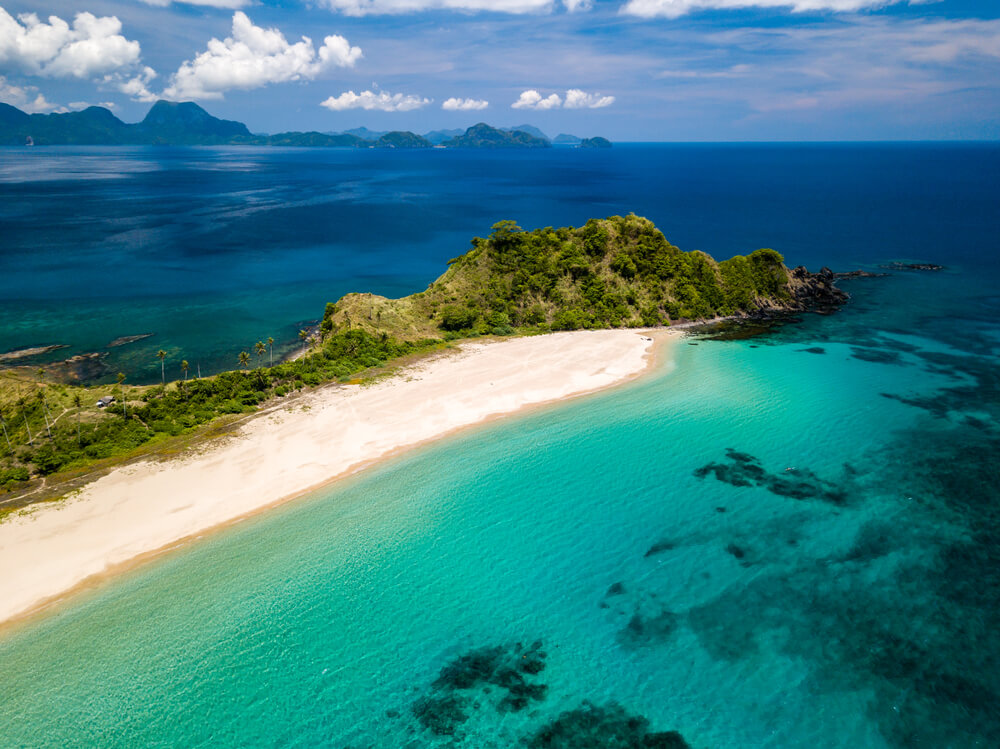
{"points": [[148, 507]]}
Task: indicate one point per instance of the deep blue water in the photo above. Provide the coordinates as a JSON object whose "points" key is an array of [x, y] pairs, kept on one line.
{"points": [[789, 540], [212, 249]]}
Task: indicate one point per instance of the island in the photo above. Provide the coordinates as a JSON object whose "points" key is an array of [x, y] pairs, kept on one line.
{"points": [[534, 316], [187, 124]]}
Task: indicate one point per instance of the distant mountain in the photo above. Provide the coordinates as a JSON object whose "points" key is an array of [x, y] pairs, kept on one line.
{"points": [[166, 123], [439, 136], [186, 123], [93, 125], [484, 136], [567, 140], [402, 139], [364, 133], [529, 129]]}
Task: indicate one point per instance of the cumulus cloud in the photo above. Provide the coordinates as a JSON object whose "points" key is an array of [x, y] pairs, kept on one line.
{"points": [[386, 7], [25, 98], [89, 47], [381, 100], [254, 56], [531, 99], [577, 99], [677, 8], [76, 106], [136, 87], [227, 4], [464, 105]]}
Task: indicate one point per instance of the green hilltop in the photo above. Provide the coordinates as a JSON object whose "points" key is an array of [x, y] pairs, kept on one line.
{"points": [[615, 272]]}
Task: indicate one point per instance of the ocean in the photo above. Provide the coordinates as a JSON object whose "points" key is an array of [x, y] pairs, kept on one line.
{"points": [[788, 539]]}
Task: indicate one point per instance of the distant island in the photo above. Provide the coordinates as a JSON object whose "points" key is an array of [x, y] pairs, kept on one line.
{"points": [[187, 124]]}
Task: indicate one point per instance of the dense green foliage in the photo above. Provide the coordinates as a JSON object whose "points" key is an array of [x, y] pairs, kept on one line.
{"points": [[597, 142], [614, 272], [176, 408]]}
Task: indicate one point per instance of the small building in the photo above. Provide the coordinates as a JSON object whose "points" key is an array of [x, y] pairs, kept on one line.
{"points": [[106, 401]]}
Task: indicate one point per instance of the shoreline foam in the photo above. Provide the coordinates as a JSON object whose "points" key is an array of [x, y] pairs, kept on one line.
{"points": [[142, 510]]}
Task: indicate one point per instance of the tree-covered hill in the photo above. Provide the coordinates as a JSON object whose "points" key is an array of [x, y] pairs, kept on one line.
{"points": [[615, 272]]}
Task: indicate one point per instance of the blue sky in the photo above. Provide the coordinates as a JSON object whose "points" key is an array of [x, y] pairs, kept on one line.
{"points": [[666, 70]]}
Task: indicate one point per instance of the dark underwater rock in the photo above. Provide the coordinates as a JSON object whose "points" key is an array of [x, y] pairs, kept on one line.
{"points": [[602, 727], [912, 266], [476, 673], [744, 469], [440, 715], [659, 547], [642, 631], [616, 589]]}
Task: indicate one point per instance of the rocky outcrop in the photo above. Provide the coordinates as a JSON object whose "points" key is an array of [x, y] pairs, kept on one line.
{"points": [[815, 292]]}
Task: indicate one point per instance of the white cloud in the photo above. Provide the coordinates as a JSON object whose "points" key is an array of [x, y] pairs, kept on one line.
{"points": [[677, 8], [91, 46], [136, 87], [25, 98], [381, 100], [77, 106], [531, 99], [577, 99], [464, 105], [394, 7], [254, 56], [227, 4]]}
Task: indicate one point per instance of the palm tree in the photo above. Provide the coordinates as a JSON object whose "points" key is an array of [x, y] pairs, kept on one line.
{"points": [[21, 404], [78, 402], [259, 348], [121, 384], [45, 406], [3, 423], [244, 359], [184, 369], [270, 351], [161, 355], [304, 335], [41, 399]]}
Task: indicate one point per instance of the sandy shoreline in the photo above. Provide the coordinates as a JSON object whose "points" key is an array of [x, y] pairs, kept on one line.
{"points": [[142, 509]]}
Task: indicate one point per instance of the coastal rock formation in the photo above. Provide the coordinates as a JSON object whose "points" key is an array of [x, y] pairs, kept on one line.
{"points": [[815, 291]]}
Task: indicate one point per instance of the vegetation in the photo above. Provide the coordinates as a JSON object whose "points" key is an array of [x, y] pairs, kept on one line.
{"points": [[615, 272], [485, 136], [82, 433]]}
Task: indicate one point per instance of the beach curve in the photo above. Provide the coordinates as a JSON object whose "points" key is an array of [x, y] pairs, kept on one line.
{"points": [[143, 509]]}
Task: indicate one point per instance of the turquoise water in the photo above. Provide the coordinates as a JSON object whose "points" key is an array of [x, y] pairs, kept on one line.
{"points": [[788, 540], [755, 547]]}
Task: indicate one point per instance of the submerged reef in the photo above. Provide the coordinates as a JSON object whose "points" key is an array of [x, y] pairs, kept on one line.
{"points": [[602, 727], [464, 681], [743, 469]]}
